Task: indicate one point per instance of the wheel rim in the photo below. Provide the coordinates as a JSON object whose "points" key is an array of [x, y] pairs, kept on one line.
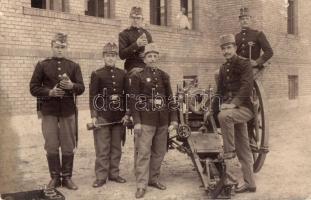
{"points": [[259, 138]]}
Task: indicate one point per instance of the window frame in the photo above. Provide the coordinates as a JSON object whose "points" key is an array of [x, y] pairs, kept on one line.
{"points": [[293, 87], [182, 5], [107, 11], [155, 15], [292, 17]]}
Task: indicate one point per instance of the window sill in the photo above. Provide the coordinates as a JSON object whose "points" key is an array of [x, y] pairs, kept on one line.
{"points": [[68, 16], [169, 29], [292, 36]]}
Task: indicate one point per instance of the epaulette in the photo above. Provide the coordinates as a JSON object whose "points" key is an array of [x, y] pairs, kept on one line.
{"points": [[46, 59]]}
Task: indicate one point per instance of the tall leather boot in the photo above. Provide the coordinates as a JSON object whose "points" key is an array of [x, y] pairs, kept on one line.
{"points": [[67, 165], [54, 168]]}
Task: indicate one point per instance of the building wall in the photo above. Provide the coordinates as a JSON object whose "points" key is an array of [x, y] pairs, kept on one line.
{"points": [[26, 33]]}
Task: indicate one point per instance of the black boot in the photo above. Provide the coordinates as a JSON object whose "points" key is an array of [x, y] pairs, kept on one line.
{"points": [[67, 165], [54, 168]]}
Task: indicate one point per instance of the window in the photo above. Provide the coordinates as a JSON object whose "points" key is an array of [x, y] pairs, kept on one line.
{"points": [[158, 12], [292, 87], [39, 4], [291, 17], [188, 6], [98, 8], [58, 5]]}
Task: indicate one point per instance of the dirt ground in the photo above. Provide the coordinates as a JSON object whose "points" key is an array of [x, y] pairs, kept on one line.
{"points": [[285, 175]]}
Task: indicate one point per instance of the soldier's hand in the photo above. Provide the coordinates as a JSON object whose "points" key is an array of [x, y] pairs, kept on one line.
{"points": [[142, 41], [66, 84], [253, 63], [227, 106], [173, 126], [56, 92], [137, 129], [95, 121]]}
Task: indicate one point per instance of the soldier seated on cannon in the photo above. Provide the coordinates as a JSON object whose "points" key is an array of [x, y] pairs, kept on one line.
{"points": [[235, 85], [152, 117]]}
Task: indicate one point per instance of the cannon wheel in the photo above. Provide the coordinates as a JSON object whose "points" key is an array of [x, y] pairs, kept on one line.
{"points": [[258, 127]]}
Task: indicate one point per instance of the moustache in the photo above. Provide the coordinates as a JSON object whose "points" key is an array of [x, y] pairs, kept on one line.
{"points": [[227, 54]]}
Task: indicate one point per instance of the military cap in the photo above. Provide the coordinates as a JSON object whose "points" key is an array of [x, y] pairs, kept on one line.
{"points": [[227, 39], [151, 47], [110, 47], [60, 38], [244, 12], [136, 12]]}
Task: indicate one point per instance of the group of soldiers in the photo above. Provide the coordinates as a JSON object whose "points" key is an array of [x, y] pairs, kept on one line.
{"points": [[57, 81]]}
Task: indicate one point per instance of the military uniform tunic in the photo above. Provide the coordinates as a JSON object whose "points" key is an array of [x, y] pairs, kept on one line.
{"points": [[236, 82], [108, 84], [260, 43], [58, 120], [128, 48]]}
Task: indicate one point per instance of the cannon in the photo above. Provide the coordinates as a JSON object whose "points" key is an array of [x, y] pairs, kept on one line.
{"points": [[198, 135]]}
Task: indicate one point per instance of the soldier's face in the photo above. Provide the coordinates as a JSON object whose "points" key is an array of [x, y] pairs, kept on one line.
{"points": [[58, 50], [245, 21], [228, 50], [151, 59], [110, 59], [136, 21]]}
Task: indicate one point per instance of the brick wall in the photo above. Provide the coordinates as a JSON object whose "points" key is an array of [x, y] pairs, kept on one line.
{"points": [[26, 32]]}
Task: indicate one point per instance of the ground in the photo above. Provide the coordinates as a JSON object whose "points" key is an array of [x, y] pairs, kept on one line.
{"points": [[285, 174]]}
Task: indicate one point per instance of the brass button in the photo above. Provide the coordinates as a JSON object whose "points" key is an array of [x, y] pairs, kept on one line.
{"points": [[113, 83], [59, 75], [111, 70], [112, 76], [58, 62], [59, 69], [156, 85], [114, 89], [244, 33], [228, 70], [243, 39], [228, 77]]}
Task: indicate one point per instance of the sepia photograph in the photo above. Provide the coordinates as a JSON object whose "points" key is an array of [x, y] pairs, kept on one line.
{"points": [[155, 99]]}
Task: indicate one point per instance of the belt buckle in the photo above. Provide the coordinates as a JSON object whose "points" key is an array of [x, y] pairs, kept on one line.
{"points": [[158, 102], [115, 98]]}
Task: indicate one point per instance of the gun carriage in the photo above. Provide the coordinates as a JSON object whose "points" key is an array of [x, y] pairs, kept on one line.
{"points": [[199, 136]]}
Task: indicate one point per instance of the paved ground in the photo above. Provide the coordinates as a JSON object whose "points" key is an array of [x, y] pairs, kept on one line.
{"points": [[285, 175]]}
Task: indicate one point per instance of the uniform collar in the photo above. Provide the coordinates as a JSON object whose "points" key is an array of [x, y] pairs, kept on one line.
{"points": [[232, 60], [151, 68], [135, 28], [109, 67], [246, 29], [57, 58]]}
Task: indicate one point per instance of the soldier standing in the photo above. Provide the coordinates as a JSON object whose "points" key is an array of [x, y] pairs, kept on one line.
{"points": [[151, 92], [107, 106], [132, 42], [250, 42], [55, 82], [235, 85]]}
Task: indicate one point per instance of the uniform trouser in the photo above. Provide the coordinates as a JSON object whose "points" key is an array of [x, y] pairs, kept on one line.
{"points": [[150, 146], [107, 142], [59, 132], [235, 137]]}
